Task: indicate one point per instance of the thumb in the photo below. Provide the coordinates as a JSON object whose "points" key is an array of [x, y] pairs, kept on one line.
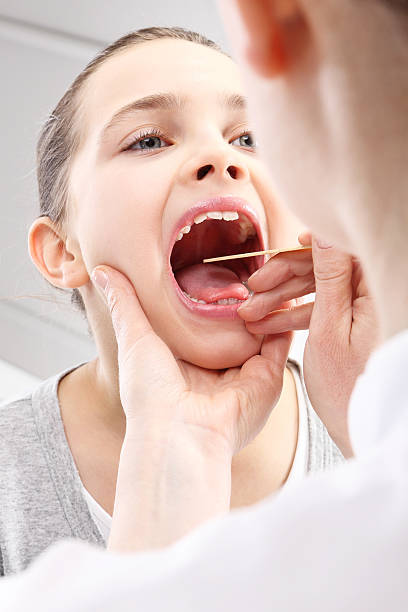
{"points": [[262, 377], [333, 279], [144, 359]]}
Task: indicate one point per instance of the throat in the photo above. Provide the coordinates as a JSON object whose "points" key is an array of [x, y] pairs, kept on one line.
{"points": [[93, 436], [392, 313]]}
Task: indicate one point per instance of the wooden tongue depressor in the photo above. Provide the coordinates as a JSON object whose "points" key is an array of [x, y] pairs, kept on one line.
{"points": [[271, 252]]}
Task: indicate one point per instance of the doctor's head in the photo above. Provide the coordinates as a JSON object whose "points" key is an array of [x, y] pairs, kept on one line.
{"points": [[327, 82]]}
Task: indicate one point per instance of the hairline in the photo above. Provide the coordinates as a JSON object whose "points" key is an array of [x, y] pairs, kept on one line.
{"points": [[79, 98]]}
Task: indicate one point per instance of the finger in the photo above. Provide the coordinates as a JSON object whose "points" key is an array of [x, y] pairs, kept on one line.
{"points": [[141, 353], [260, 383], [260, 304], [275, 350], [267, 367], [280, 321], [305, 238], [279, 269], [129, 321], [333, 278]]}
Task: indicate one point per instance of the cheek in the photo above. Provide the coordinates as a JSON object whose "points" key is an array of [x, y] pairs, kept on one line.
{"points": [[119, 220]]}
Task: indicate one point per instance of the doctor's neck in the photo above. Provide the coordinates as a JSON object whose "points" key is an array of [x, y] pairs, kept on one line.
{"points": [[380, 228]]}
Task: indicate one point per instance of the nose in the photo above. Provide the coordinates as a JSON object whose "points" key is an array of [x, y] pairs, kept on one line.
{"points": [[233, 171], [224, 166]]}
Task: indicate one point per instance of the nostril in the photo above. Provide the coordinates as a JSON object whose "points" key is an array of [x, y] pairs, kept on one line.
{"points": [[232, 171], [203, 171]]}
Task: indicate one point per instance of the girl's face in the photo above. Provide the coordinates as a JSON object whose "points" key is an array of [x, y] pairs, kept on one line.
{"points": [[166, 176]]}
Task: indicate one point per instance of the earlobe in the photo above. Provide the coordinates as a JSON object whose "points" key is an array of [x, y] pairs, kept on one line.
{"points": [[59, 263]]}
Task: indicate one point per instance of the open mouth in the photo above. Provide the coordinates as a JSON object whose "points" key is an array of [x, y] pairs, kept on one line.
{"points": [[218, 227]]}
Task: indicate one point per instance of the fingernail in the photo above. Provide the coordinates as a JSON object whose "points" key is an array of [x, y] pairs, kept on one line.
{"points": [[100, 278], [322, 244]]}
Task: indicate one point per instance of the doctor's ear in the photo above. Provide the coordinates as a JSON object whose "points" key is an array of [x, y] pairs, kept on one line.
{"points": [[271, 26], [58, 258]]}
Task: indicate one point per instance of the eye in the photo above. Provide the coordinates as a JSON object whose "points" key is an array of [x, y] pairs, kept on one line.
{"points": [[149, 141], [245, 140]]}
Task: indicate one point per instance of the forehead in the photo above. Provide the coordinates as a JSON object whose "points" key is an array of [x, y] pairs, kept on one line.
{"points": [[187, 69]]}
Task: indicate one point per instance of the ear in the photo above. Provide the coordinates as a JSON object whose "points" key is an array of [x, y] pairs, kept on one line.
{"points": [[266, 23], [58, 259]]}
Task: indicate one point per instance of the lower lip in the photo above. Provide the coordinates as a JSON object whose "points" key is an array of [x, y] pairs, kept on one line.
{"points": [[212, 311]]}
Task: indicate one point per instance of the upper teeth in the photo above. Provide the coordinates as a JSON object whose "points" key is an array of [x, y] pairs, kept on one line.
{"points": [[228, 215], [246, 229], [200, 218]]}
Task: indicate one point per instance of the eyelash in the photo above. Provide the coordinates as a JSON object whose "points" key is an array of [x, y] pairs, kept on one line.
{"points": [[156, 132], [142, 135]]}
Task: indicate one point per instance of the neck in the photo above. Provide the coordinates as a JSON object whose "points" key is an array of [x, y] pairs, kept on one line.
{"points": [[95, 426], [101, 376], [259, 469], [383, 250]]}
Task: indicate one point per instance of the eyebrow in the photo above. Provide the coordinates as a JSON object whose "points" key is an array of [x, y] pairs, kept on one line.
{"points": [[163, 102]]}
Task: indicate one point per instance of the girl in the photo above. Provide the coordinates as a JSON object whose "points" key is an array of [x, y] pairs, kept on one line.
{"points": [[148, 164]]}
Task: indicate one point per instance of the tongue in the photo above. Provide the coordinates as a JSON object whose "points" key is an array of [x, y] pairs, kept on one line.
{"points": [[211, 283]]}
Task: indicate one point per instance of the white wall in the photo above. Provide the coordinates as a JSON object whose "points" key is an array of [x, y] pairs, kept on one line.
{"points": [[14, 382]]}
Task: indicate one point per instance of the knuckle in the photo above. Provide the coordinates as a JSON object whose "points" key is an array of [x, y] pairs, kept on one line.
{"points": [[285, 268], [263, 303], [331, 273], [279, 296]]}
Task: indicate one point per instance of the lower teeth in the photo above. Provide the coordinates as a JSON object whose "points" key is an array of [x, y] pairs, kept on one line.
{"points": [[225, 302]]}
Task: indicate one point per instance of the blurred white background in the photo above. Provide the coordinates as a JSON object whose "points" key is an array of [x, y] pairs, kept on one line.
{"points": [[44, 44]]}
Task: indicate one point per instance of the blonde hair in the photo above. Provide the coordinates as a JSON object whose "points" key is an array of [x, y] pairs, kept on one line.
{"points": [[60, 136]]}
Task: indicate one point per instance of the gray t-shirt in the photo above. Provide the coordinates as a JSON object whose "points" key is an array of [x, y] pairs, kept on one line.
{"points": [[41, 494]]}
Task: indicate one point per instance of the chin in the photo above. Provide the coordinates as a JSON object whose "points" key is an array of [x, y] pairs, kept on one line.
{"points": [[219, 353]]}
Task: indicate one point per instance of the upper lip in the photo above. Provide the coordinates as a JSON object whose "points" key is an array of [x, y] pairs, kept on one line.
{"points": [[221, 203]]}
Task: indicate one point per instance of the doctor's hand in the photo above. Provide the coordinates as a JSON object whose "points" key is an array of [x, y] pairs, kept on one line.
{"points": [[342, 323], [183, 424]]}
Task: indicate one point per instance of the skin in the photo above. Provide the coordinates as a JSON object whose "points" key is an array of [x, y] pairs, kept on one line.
{"points": [[123, 207], [150, 192], [305, 81], [125, 214], [335, 354], [326, 89], [313, 81]]}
